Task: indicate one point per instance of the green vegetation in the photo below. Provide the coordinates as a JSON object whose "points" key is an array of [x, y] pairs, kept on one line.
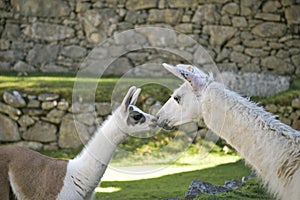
{"points": [[68, 84], [176, 185]]}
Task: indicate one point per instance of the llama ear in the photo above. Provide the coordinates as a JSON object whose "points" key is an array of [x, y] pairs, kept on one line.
{"points": [[186, 73], [128, 98], [135, 96]]}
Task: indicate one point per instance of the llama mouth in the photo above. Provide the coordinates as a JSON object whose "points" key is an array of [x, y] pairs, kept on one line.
{"points": [[165, 125]]}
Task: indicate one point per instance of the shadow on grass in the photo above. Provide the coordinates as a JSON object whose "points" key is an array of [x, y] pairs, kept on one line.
{"points": [[175, 185]]}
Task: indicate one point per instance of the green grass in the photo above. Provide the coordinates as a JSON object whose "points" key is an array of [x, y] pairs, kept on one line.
{"points": [[176, 185], [100, 90]]}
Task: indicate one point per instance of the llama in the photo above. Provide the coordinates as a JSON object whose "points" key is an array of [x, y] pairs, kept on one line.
{"points": [[269, 146], [30, 175]]}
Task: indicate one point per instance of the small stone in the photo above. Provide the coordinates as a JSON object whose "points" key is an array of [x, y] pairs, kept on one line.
{"points": [[103, 108], [239, 58], [37, 146], [41, 132], [48, 105], [274, 63], [33, 104], [85, 118], [219, 34], [296, 125], [74, 52], [256, 52], [267, 16], [270, 29], [198, 187], [48, 97], [292, 14], [63, 105], [169, 16], [56, 113], [239, 22], [21, 66], [231, 9], [140, 4], [296, 60], [296, 103], [52, 120], [8, 129], [11, 111], [48, 32], [233, 184], [14, 99], [26, 121], [33, 112], [81, 108], [271, 108], [271, 6]]}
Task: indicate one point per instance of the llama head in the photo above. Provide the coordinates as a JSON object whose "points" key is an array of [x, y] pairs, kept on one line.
{"points": [[184, 104], [129, 118]]}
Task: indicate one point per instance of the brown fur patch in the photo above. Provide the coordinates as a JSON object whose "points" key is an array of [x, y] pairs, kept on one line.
{"points": [[34, 176]]}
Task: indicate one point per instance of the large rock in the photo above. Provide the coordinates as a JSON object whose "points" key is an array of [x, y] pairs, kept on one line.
{"points": [[270, 29], [159, 37], [41, 132], [41, 55], [277, 64], [8, 129], [71, 136], [74, 51], [14, 99], [103, 108], [119, 67], [182, 4], [96, 24], [238, 57], [48, 32], [206, 14], [140, 4], [48, 96], [26, 121], [11, 31], [292, 14], [41, 8], [231, 9], [169, 16], [21, 66], [11, 111], [198, 187], [219, 34], [249, 7]]}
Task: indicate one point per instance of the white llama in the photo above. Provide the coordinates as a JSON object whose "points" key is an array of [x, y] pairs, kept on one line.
{"points": [[32, 176], [271, 147]]}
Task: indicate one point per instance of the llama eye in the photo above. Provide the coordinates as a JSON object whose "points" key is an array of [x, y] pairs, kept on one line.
{"points": [[177, 98]]}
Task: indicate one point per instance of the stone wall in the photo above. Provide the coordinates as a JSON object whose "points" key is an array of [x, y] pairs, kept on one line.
{"points": [[240, 35], [47, 121]]}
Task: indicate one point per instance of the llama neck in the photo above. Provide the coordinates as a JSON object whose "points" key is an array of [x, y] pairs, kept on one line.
{"points": [[262, 140], [89, 166]]}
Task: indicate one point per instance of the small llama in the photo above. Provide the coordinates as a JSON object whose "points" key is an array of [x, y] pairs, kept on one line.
{"points": [[28, 175], [269, 146]]}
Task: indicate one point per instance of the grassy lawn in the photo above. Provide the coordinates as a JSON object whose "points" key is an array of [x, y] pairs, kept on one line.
{"points": [[65, 85], [175, 185]]}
